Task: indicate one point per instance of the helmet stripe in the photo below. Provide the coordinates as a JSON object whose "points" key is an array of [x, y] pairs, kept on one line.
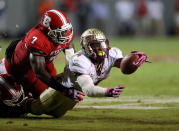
{"points": [[61, 16]]}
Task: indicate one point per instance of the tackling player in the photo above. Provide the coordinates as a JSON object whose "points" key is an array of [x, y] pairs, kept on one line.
{"points": [[29, 61], [84, 70]]}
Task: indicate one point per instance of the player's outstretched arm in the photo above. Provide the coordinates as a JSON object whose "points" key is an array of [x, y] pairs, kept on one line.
{"points": [[131, 62], [114, 92], [142, 58], [117, 63], [88, 87], [39, 68]]}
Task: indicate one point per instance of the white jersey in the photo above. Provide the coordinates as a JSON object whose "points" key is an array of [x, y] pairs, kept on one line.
{"points": [[81, 64]]}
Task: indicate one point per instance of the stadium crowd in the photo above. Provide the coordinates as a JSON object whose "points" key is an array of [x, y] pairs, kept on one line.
{"points": [[131, 17]]}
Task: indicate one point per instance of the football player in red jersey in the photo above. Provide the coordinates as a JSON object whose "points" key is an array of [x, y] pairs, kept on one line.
{"points": [[29, 61]]}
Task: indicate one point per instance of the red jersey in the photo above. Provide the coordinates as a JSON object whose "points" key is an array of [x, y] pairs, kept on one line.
{"points": [[17, 61], [36, 42]]}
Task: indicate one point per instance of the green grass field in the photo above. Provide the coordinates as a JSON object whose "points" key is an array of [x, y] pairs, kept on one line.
{"points": [[149, 102]]}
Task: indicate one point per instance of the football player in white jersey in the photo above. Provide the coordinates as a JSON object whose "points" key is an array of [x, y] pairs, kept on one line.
{"points": [[84, 70]]}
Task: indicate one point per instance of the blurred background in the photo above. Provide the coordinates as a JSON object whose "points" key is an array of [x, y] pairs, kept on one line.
{"points": [[138, 18]]}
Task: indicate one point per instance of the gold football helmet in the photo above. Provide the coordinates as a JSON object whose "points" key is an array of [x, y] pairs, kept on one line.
{"points": [[94, 44]]}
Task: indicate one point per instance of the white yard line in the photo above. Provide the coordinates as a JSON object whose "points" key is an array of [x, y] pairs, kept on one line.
{"points": [[127, 99], [132, 103], [123, 107]]}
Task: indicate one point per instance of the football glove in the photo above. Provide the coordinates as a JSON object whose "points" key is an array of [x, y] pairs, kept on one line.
{"points": [[69, 92], [114, 92], [74, 94], [142, 58]]}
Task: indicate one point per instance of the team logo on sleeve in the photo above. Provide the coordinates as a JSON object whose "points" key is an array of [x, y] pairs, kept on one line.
{"points": [[78, 55]]}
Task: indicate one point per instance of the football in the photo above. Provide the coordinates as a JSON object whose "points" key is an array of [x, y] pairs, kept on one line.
{"points": [[128, 65]]}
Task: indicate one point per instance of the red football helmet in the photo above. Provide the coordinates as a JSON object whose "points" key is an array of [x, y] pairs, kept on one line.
{"points": [[59, 28], [11, 94]]}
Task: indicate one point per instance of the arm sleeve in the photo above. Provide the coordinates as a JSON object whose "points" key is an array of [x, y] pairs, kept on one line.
{"points": [[88, 87]]}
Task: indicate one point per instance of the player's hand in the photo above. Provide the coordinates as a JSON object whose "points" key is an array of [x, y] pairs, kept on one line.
{"points": [[74, 94], [142, 58], [114, 92]]}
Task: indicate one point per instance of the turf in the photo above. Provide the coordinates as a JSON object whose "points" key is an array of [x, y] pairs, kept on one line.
{"points": [[149, 102]]}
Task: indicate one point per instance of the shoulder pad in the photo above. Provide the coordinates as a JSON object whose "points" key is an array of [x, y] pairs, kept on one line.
{"points": [[79, 63], [115, 53]]}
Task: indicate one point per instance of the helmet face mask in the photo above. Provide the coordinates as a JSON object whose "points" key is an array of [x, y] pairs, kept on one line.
{"points": [[63, 35], [94, 44]]}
